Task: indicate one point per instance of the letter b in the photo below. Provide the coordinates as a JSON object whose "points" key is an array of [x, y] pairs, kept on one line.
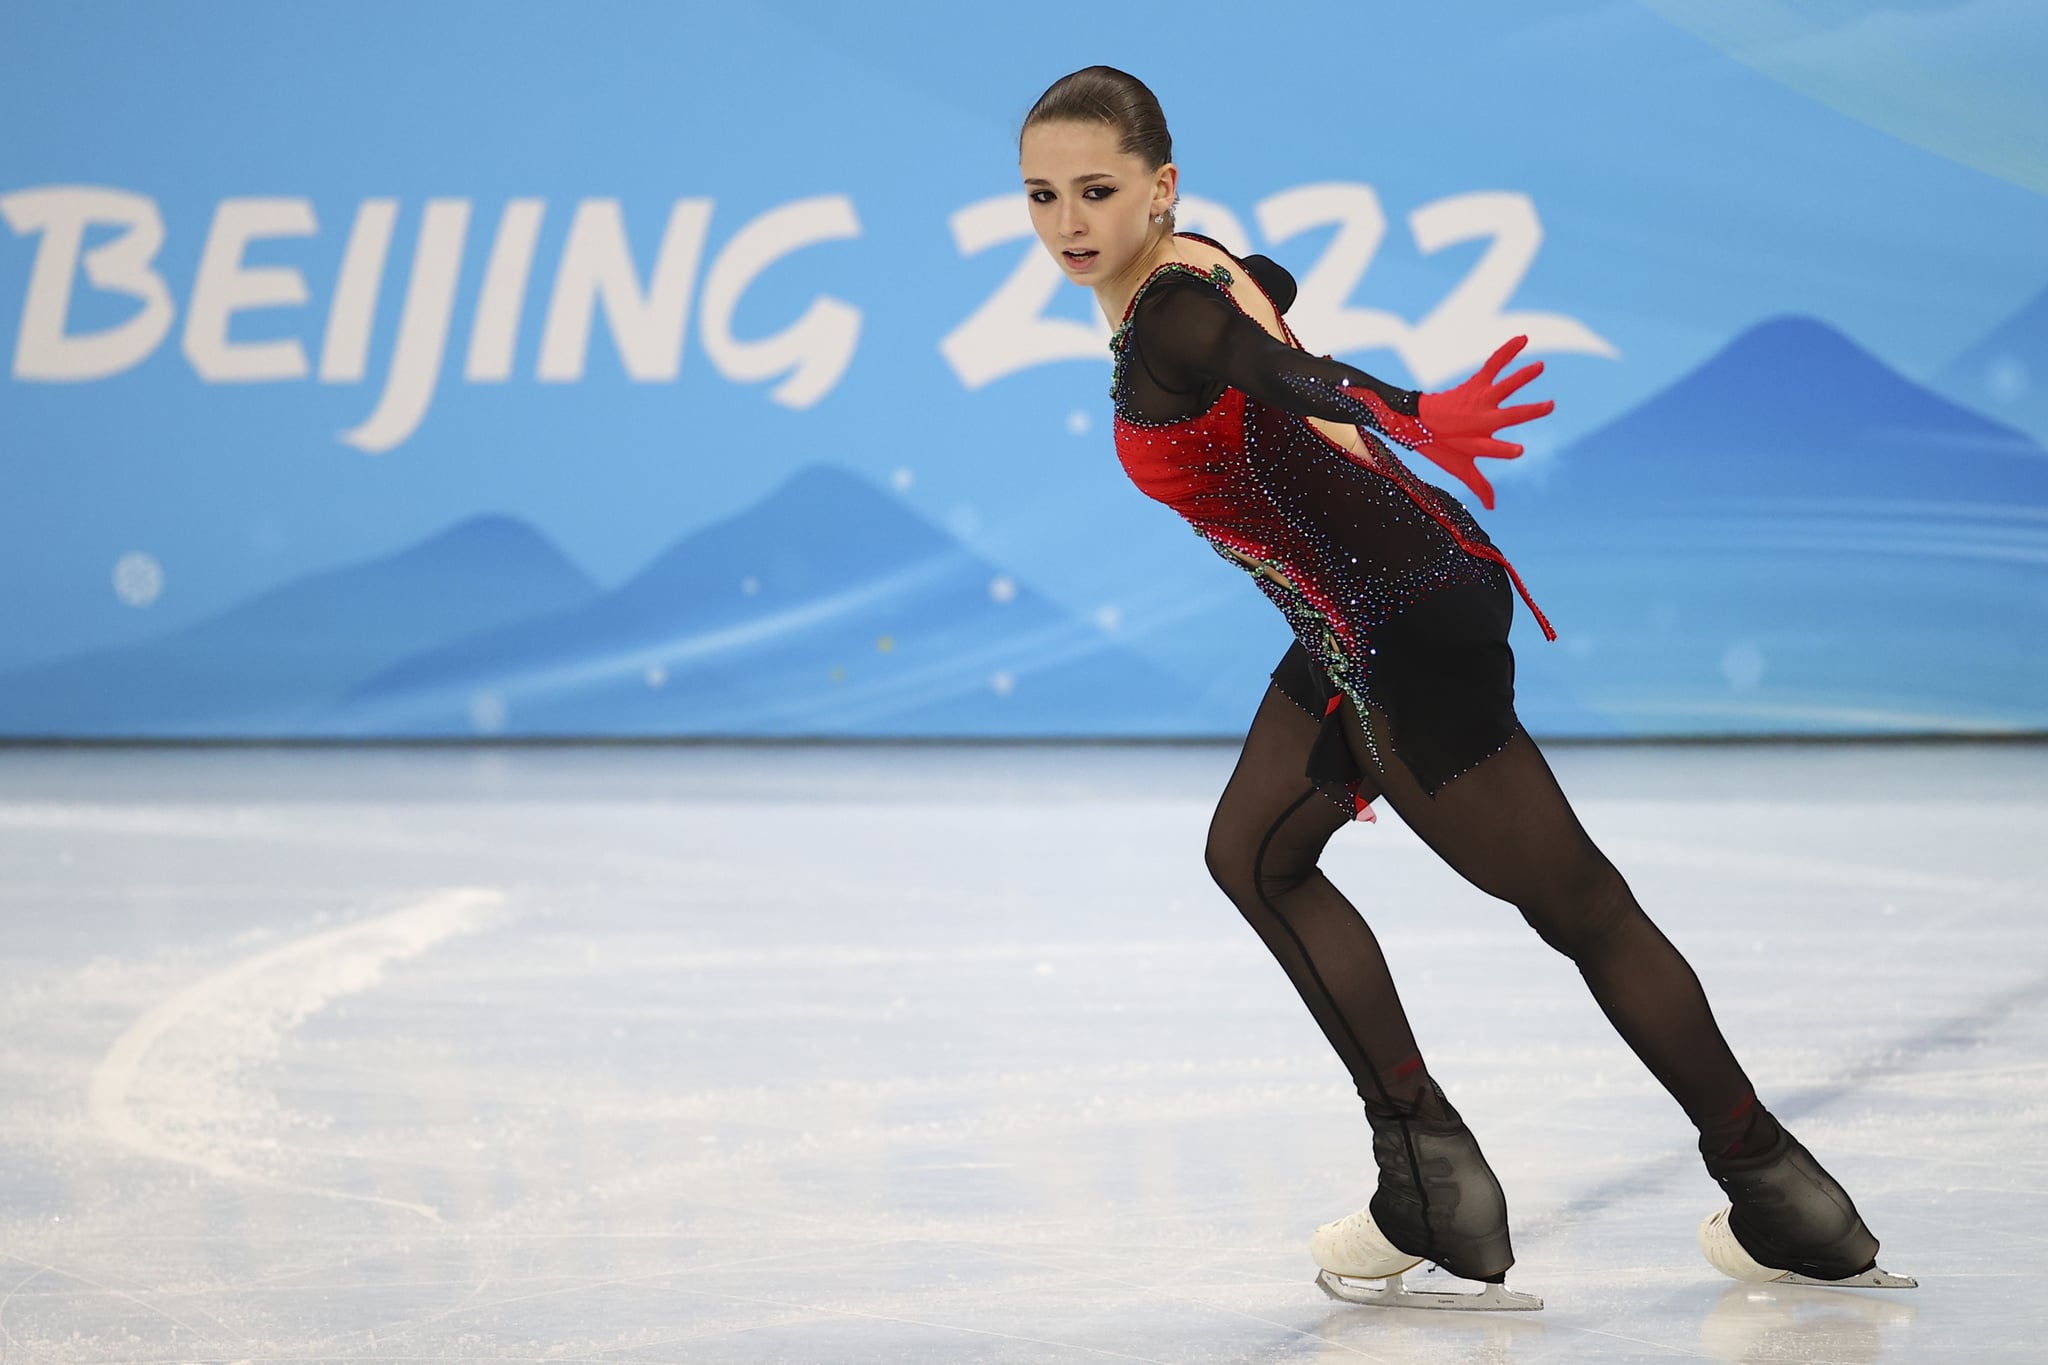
{"points": [[42, 348]]}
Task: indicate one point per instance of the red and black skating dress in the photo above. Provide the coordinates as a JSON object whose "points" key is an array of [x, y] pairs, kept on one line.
{"points": [[1396, 596]]}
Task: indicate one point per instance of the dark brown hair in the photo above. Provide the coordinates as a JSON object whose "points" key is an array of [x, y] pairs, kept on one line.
{"points": [[1103, 94]]}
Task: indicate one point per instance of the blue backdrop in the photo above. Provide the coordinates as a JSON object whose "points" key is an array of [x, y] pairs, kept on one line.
{"points": [[637, 369]]}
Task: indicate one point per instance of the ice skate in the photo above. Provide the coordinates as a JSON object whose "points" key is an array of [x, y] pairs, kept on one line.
{"points": [[1437, 1201], [1790, 1223]]}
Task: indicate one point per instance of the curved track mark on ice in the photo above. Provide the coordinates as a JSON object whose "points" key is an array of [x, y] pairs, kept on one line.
{"points": [[168, 1087], [111, 1292], [1891, 1059]]}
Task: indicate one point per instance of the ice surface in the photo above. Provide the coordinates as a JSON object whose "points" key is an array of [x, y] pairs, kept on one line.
{"points": [[955, 1053]]}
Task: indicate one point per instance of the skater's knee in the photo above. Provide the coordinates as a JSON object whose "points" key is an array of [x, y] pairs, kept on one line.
{"points": [[1229, 862], [1583, 910], [1276, 875], [1252, 864], [1230, 854]]}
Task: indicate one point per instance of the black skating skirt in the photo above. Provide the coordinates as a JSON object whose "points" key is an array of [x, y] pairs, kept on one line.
{"points": [[1443, 677]]}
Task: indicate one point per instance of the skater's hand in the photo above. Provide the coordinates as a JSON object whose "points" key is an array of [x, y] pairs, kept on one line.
{"points": [[1460, 422]]}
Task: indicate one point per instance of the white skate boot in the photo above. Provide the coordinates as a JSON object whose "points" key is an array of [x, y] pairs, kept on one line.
{"points": [[1790, 1223], [1438, 1195]]}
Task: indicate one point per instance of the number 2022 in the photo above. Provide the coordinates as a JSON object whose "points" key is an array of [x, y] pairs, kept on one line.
{"points": [[1009, 332]]}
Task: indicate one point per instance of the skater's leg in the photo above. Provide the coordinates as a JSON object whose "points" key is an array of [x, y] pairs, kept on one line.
{"points": [[1269, 829], [1437, 1198], [1506, 827]]}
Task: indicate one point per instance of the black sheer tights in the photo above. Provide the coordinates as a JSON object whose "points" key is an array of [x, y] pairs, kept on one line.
{"points": [[1504, 826]]}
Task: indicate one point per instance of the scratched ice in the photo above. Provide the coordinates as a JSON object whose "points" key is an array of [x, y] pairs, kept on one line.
{"points": [[955, 1054]]}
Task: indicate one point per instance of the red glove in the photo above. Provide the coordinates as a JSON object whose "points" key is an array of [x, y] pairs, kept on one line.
{"points": [[1458, 424]]}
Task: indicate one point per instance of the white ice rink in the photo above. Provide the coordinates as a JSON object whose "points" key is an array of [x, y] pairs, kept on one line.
{"points": [[956, 1054]]}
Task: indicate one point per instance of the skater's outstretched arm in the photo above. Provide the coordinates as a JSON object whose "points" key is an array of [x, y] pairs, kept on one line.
{"points": [[1189, 335]]}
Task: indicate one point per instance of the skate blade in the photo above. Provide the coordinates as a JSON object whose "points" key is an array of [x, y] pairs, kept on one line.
{"points": [[1874, 1278], [1391, 1293]]}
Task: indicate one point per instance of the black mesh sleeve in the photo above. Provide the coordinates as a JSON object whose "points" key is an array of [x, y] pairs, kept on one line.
{"points": [[1191, 339]]}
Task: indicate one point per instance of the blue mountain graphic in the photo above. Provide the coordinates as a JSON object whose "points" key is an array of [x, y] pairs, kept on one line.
{"points": [[1794, 409], [1792, 539], [826, 608], [2005, 374], [267, 666]]}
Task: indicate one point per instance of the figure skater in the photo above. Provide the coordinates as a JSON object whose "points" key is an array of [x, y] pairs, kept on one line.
{"points": [[1399, 683]]}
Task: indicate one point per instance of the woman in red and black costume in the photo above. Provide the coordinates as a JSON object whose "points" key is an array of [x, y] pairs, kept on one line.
{"points": [[1399, 684]]}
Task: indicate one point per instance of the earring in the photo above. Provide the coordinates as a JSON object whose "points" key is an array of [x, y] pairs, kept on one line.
{"points": [[1158, 217]]}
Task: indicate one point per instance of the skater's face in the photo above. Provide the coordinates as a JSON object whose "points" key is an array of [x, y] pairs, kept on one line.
{"points": [[1088, 197]]}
